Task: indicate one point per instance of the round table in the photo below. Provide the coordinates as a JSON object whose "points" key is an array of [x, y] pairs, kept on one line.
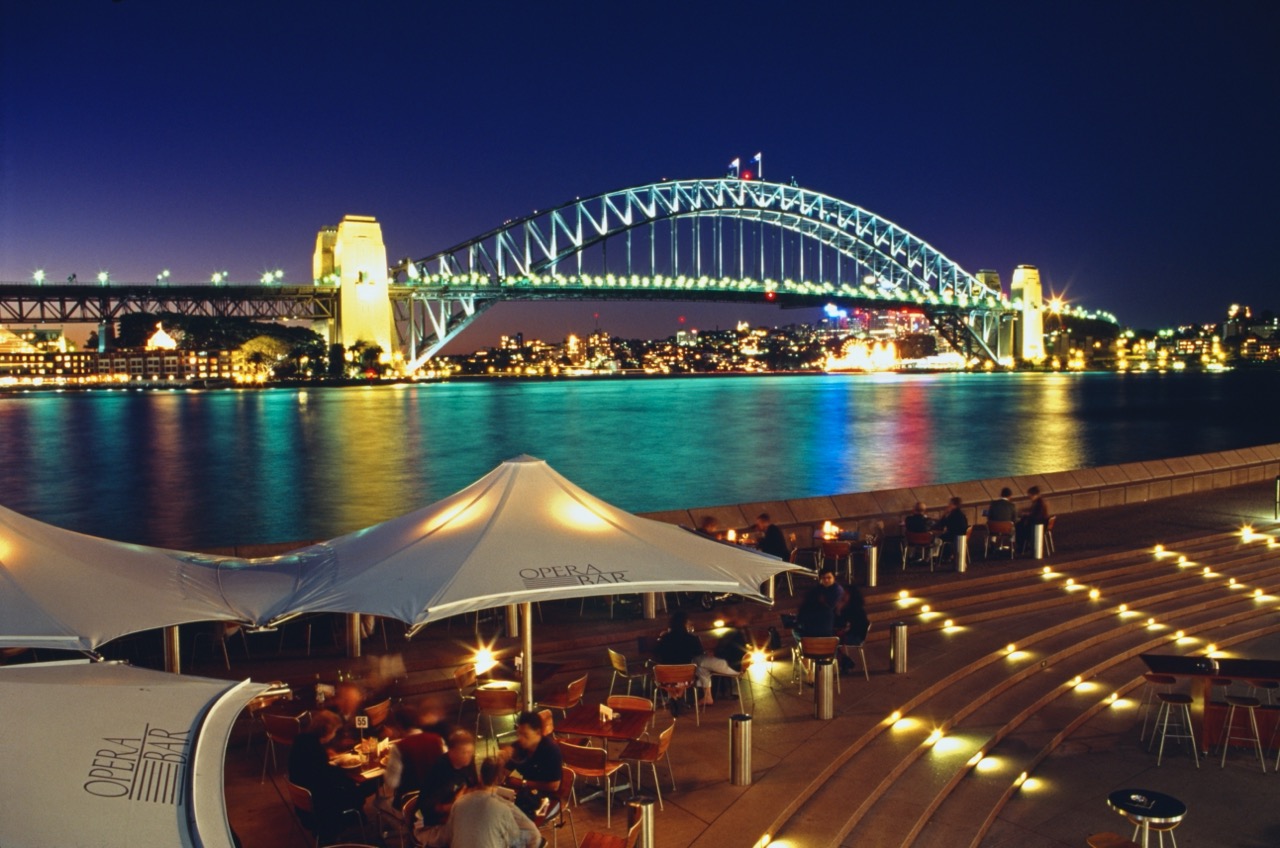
{"points": [[1147, 808]]}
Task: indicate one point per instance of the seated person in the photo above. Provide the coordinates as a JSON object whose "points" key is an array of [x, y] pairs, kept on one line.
{"points": [[448, 776], [332, 791], [483, 817], [816, 617], [708, 527], [1037, 513], [852, 624], [953, 524], [916, 521], [535, 758], [410, 760], [679, 645], [1002, 509], [771, 539]]}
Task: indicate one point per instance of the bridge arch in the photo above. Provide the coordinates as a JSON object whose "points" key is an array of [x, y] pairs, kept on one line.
{"points": [[704, 238]]}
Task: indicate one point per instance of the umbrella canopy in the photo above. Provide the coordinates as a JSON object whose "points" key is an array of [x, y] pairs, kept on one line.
{"points": [[520, 533], [66, 590], [109, 755]]}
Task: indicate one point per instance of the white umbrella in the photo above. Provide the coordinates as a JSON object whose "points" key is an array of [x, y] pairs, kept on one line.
{"points": [[109, 755], [521, 533], [66, 590]]}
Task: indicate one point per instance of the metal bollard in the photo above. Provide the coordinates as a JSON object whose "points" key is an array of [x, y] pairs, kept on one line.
{"points": [[824, 689], [962, 553], [641, 809], [740, 749], [650, 604], [1037, 541], [873, 561], [898, 647], [1277, 497]]}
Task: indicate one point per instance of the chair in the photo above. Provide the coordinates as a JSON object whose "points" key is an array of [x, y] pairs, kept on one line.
{"points": [[377, 713], [564, 794], [269, 700], [834, 551], [651, 753], [1159, 829], [1250, 704], [923, 543], [1169, 701], [594, 762], [815, 648], [1107, 839], [1268, 686], [861, 648], [595, 839], [1048, 538], [217, 633], [622, 669], [1000, 537], [622, 703], [281, 729], [676, 681], [464, 678], [402, 818], [567, 698], [1156, 683], [496, 703], [300, 797]]}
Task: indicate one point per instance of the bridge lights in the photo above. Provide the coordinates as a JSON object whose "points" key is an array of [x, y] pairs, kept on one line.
{"points": [[162, 277], [103, 278], [219, 277], [38, 277]]}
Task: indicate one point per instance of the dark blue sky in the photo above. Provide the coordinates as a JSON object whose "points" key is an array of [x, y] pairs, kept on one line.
{"points": [[1126, 148]]}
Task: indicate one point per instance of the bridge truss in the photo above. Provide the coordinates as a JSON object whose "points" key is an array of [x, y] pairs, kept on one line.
{"points": [[716, 239], [24, 303]]}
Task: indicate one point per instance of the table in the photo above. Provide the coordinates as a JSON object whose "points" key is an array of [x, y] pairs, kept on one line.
{"points": [[1147, 808], [365, 772], [584, 720], [1208, 718]]}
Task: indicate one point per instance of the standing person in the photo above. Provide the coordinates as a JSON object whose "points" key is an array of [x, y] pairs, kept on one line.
{"points": [[1037, 513], [771, 539], [448, 777], [481, 818], [679, 645], [953, 524]]}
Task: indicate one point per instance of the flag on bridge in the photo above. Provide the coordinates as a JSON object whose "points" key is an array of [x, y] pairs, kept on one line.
{"points": [[735, 166]]}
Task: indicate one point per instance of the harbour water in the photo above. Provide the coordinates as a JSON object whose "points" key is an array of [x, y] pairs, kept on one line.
{"points": [[193, 469]]}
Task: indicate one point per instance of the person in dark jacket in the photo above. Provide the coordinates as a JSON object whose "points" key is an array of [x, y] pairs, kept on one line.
{"points": [[771, 539], [332, 791]]}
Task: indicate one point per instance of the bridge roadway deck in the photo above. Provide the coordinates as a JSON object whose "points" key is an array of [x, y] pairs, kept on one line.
{"points": [[791, 748]]}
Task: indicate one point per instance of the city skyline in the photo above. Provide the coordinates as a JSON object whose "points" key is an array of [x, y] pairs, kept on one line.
{"points": [[1118, 150]]}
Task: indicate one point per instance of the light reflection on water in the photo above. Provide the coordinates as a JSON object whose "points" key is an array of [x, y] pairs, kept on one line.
{"points": [[199, 469]]}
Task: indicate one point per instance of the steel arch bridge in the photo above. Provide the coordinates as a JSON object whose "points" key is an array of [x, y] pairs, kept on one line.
{"points": [[704, 239]]}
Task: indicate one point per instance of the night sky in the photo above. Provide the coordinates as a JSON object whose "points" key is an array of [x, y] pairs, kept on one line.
{"points": [[1127, 149]]}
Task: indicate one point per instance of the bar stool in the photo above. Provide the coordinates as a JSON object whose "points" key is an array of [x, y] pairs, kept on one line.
{"points": [[1169, 701], [814, 649], [1243, 702], [1223, 683], [1160, 829], [1268, 686], [1154, 682]]}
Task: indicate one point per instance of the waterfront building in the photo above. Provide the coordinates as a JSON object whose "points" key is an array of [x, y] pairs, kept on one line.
{"points": [[1029, 335]]}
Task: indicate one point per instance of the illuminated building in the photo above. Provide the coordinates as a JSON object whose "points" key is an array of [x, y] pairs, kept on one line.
{"points": [[353, 256], [1029, 337]]}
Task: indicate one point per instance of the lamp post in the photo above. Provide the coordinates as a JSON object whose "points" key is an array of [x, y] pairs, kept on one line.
{"points": [[38, 277], [218, 278], [103, 278], [162, 277]]}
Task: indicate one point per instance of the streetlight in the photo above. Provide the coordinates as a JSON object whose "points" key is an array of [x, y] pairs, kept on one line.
{"points": [[218, 278], [103, 278], [38, 277], [162, 277], [269, 277]]}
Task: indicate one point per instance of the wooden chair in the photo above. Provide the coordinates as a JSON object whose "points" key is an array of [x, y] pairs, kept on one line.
{"points": [[1107, 839], [836, 551], [281, 729], [651, 753], [567, 698], [565, 795], [464, 679], [594, 762], [814, 648], [595, 839], [861, 648], [622, 669], [300, 797], [496, 703], [675, 682], [377, 713], [1000, 537], [923, 543], [622, 703]]}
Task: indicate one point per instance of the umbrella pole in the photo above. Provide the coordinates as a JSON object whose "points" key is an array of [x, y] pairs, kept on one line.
{"points": [[172, 651], [353, 635], [513, 621], [526, 640]]}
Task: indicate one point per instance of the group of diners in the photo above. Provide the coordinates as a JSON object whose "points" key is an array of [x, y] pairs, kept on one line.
{"points": [[1001, 515], [459, 802], [832, 608]]}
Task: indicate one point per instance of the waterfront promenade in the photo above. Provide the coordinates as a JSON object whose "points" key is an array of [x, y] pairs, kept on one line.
{"points": [[858, 781]]}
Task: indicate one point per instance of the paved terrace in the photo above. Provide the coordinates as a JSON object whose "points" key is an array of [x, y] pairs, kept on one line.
{"points": [[860, 780]]}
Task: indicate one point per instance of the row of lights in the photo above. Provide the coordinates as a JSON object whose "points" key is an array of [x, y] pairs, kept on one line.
{"points": [[217, 278]]}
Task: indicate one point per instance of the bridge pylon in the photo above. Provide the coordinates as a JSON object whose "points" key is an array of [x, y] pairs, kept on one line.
{"points": [[352, 256]]}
